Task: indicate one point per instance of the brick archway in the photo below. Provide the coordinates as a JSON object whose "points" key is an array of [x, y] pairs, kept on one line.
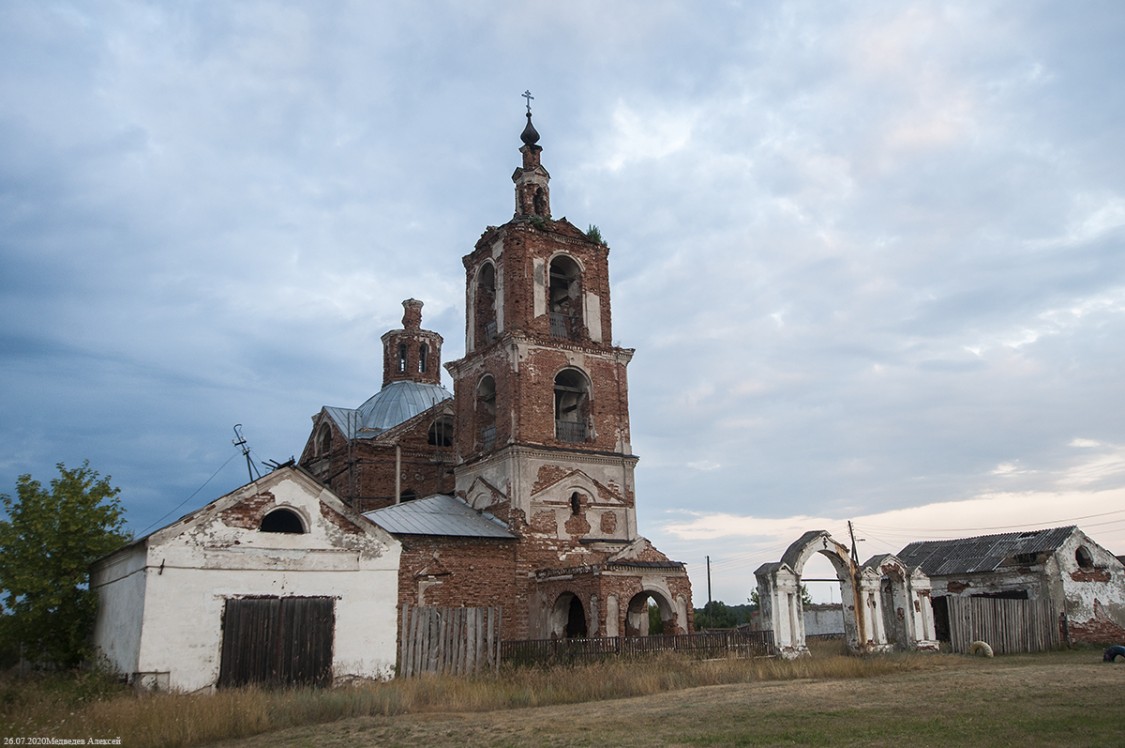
{"points": [[636, 615]]}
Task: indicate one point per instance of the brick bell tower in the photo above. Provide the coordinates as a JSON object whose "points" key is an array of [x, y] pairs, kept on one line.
{"points": [[542, 416]]}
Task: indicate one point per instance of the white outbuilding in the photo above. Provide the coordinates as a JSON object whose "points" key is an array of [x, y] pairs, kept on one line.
{"points": [[277, 582]]}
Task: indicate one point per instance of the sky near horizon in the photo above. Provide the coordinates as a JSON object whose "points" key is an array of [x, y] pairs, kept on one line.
{"points": [[871, 255]]}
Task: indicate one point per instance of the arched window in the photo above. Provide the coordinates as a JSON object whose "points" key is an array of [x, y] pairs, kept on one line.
{"points": [[565, 296], [322, 445], [484, 306], [575, 503], [486, 411], [441, 432], [283, 520], [1083, 557], [423, 351], [572, 406], [402, 358]]}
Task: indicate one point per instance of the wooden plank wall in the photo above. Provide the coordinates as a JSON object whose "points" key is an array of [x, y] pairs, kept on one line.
{"points": [[1008, 626], [452, 641]]}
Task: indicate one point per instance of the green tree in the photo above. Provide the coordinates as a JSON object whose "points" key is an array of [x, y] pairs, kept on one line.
{"points": [[715, 615], [47, 542]]}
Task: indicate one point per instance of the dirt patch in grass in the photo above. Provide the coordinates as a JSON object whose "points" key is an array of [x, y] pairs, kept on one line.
{"points": [[1060, 699]]}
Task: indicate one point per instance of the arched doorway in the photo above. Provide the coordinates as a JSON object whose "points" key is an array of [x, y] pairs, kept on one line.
{"points": [[568, 617], [639, 621], [779, 592]]}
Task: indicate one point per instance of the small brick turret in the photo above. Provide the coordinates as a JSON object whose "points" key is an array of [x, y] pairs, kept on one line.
{"points": [[412, 354]]}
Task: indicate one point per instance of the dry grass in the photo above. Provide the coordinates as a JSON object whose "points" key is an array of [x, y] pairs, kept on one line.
{"points": [[50, 709]]}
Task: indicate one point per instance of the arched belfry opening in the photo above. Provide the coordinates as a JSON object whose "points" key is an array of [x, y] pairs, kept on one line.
{"points": [[484, 306], [486, 412], [572, 406], [565, 294]]}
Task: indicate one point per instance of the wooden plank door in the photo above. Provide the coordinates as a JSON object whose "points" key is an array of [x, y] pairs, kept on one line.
{"points": [[277, 641]]}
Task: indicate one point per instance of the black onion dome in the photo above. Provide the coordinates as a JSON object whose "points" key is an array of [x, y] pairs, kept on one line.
{"points": [[529, 135]]}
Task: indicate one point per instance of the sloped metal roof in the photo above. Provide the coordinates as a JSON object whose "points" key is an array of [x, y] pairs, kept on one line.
{"points": [[980, 554], [397, 402], [387, 408], [438, 515]]}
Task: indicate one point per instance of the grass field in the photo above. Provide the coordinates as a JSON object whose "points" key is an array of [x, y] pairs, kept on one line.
{"points": [[1066, 698]]}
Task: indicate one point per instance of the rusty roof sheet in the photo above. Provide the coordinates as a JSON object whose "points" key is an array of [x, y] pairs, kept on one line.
{"points": [[438, 515], [983, 553]]}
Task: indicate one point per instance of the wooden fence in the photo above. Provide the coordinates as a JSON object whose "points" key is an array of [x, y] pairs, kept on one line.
{"points": [[454, 641], [706, 644], [1008, 626]]}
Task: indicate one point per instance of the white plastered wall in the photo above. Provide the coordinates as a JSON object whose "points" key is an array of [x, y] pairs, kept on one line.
{"points": [[190, 571]]}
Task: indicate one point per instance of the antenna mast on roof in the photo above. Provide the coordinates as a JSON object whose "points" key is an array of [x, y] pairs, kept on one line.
{"points": [[240, 442]]}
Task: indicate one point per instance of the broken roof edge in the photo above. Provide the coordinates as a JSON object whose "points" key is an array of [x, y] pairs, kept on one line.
{"points": [[982, 554], [994, 537], [314, 486]]}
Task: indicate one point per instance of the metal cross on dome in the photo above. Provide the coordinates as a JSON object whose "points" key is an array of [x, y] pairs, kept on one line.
{"points": [[527, 95]]}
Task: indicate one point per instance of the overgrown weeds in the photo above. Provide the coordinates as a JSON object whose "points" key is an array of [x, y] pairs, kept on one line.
{"points": [[78, 707]]}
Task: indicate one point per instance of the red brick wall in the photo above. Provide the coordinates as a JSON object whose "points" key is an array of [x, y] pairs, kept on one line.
{"points": [[461, 572], [364, 477], [248, 513]]}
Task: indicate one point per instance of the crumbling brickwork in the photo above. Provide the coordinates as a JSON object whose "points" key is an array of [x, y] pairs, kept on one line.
{"points": [[248, 513], [362, 473]]}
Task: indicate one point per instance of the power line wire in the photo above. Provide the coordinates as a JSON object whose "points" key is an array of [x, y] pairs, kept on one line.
{"points": [[1002, 527], [189, 498]]}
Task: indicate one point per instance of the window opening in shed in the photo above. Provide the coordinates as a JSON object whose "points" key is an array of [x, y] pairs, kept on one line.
{"points": [[284, 521], [1083, 557]]}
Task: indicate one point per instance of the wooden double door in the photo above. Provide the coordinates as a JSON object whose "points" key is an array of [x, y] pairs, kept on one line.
{"points": [[277, 641]]}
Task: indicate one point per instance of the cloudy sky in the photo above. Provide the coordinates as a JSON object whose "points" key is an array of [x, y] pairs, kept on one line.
{"points": [[871, 254]]}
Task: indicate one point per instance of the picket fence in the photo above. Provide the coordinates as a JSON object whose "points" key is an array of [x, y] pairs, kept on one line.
{"points": [[451, 641]]}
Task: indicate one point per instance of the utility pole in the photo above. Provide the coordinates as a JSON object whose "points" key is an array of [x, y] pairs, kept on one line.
{"points": [[240, 441], [708, 580], [855, 551]]}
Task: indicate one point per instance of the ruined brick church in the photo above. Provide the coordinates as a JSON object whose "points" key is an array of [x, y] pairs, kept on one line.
{"points": [[516, 490]]}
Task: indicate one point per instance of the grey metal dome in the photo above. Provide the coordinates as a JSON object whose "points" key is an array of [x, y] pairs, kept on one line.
{"points": [[398, 402]]}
